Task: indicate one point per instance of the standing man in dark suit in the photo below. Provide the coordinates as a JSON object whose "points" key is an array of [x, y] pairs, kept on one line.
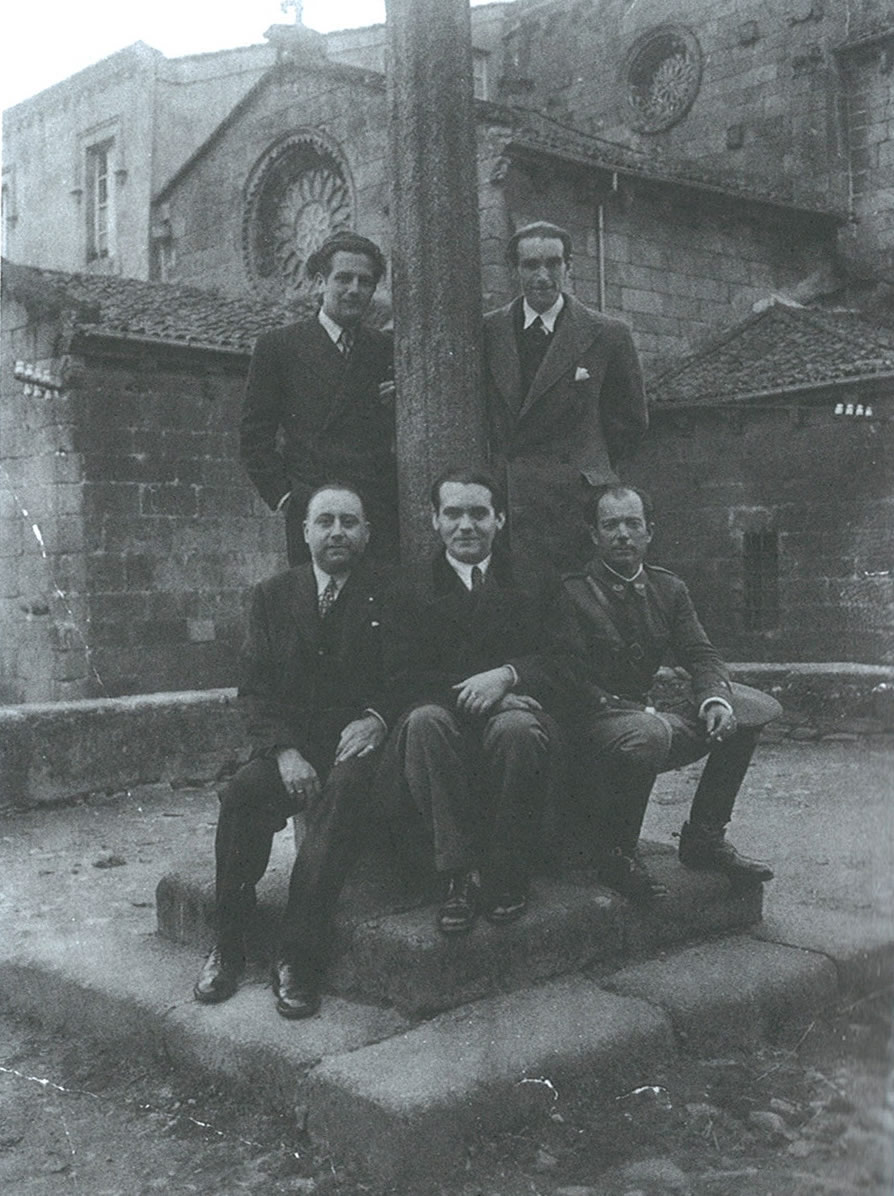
{"points": [[564, 395], [319, 398], [316, 705], [477, 752], [629, 617]]}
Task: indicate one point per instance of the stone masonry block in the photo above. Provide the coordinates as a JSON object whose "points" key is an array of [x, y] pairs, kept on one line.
{"points": [[475, 1069], [733, 990]]}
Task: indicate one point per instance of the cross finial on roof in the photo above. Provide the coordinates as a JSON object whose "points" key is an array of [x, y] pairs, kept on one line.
{"points": [[297, 5]]}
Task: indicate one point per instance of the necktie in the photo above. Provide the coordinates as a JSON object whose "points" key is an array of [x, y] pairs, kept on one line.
{"points": [[327, 599], [345, 342], [477, 579], [538, 329]]}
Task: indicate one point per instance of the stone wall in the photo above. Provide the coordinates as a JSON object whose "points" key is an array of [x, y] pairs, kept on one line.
{"points": [[820, 482], [150, 534], [679, 264], [869, 121], [762, 111]]}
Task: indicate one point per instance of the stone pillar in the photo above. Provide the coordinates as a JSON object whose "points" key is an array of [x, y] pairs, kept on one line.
{"points": [[436, 256]]}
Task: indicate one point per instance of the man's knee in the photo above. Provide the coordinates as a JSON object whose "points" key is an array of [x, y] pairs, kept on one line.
{"points": [[428, 723], [516, 730], [254, 783], [644, 741]]}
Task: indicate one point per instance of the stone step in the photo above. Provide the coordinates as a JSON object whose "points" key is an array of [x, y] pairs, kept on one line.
{"points": [[406, 1099], [386, 948]]}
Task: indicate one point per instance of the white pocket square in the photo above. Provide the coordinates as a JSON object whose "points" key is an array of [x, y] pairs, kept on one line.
{"points": [[581, 374]]}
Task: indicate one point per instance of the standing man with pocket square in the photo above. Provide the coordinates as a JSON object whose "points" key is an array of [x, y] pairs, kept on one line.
{"points": [[317, 706], [564, 396], [319, 399]]}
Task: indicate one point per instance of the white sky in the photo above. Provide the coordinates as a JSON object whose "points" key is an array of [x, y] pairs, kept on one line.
{"points": [[44, 41]]}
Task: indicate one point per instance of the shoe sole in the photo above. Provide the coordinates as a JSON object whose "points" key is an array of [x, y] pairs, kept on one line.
{"points": [[213, 998], [295, 1015]]}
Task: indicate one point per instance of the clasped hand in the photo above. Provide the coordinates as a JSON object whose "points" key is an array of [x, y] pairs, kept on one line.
{"points": [[489, 691]]}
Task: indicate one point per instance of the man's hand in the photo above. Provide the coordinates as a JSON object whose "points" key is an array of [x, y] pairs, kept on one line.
{"points": [[516, 702], [359, 738], [298, 776], [479, 692], [720, 722]]}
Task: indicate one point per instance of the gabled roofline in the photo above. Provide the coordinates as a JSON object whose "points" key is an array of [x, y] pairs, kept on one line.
{"points": [[753, 396], [355, 74]]}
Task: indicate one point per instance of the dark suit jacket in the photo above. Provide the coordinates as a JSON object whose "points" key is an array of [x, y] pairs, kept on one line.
{"points": [[302, 682], [585, 410], [622, 638], [326, 409], [518, 617]]}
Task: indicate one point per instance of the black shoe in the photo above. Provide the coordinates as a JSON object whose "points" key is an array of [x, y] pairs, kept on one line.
{"points": [[459, 908], [629, 876], [219, 977], [506, 900], [296, 996], [704, 847]]}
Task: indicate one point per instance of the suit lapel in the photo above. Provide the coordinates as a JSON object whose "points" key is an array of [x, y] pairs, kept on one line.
{"points": [[503, 356], [574, 334], [305, 617]]}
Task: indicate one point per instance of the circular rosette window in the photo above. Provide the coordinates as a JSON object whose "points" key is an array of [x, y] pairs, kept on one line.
{"points": [[297, 195], [661, 78]]}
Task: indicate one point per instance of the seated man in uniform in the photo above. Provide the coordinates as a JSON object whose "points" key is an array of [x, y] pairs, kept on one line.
{"points": [[629, 617]]}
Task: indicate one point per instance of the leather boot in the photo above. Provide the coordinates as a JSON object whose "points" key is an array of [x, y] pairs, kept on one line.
{"points": [[704, 847]]}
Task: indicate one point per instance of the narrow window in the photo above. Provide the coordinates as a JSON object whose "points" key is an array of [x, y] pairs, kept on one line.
{"points": [[100, 214], [761, 561]]}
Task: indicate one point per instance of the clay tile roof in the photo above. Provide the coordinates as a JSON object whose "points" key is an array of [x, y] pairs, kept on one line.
{"points": [[780, 348], [106, 305]]}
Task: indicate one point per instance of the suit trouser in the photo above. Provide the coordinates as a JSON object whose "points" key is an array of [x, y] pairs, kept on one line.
{"points": [[623, 751], [254, 805], [479, 783]]}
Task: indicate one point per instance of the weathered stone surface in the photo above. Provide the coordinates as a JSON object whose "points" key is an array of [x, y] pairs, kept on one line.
{"points": [[467, 1071], [730, 990]]}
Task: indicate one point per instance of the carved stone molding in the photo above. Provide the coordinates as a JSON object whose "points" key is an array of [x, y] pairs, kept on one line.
{"points": [[297, 194]]}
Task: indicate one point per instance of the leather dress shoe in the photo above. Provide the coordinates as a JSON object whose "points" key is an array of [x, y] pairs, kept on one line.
{"points": [[703, 847], [219, 977], [505, 900], [296, 996], [629, 876], [459, 909]]}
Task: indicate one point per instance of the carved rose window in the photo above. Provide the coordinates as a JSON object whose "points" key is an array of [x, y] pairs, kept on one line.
{"points": [[661, 78], [296, 197]]}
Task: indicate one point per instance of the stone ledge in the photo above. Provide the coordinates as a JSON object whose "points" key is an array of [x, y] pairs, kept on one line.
{"points": [[58, 752]]}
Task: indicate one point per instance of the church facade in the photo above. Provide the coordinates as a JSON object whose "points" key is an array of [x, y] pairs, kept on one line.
{"points": [[713, 161]]}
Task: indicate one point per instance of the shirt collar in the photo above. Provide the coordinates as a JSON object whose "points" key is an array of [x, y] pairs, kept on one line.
{"points": [[614, 572], [464, 570], [323, 579], [548, 317], [333, 330]]}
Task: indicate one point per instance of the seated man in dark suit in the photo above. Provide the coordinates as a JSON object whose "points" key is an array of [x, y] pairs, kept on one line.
{"points": [[316, 702], [629, 617], [477, 751]]}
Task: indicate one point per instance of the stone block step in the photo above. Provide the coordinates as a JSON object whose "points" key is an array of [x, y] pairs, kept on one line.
{"points": [[407, 1098], [386, 948]]}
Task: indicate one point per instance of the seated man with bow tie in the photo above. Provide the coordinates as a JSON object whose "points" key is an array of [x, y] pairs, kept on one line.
{"points": [[476, 754], [317, 704], [629, 616]]}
